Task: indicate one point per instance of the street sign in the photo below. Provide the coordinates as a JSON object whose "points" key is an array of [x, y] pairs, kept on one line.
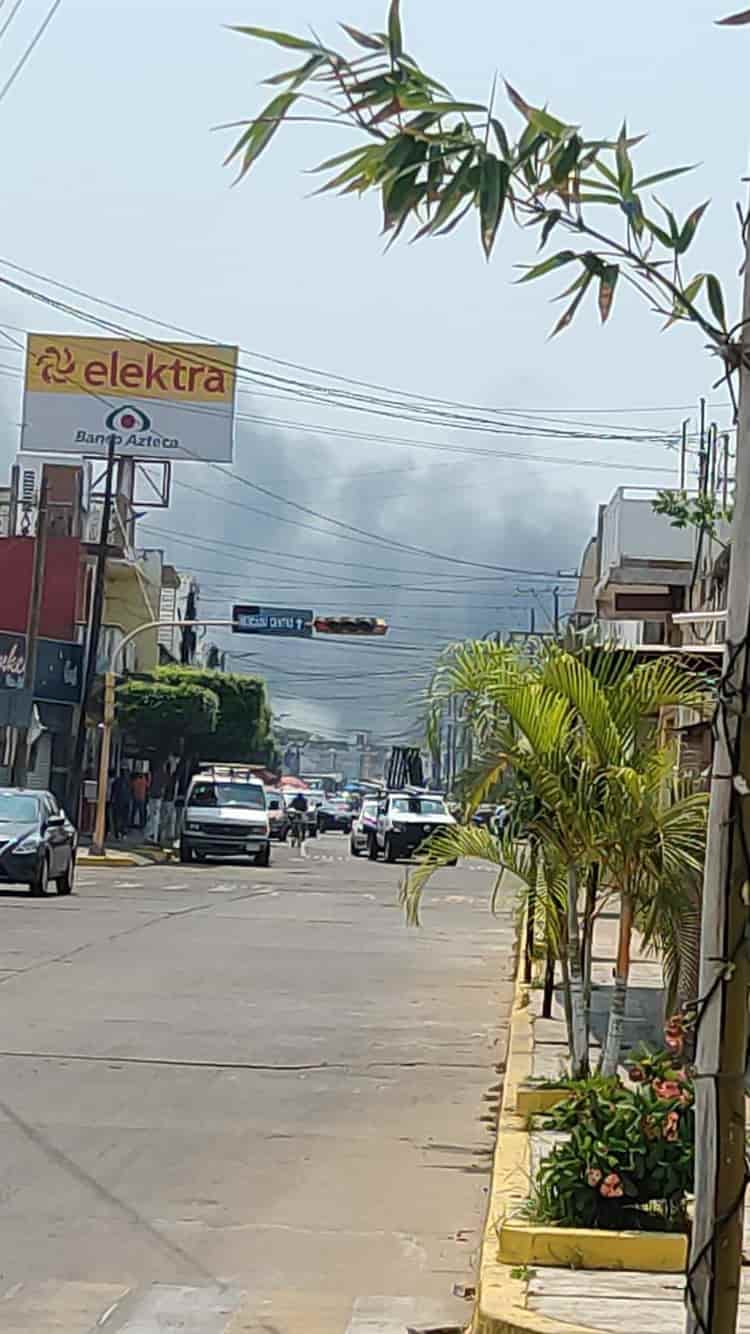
{"points": [[279, 621]]}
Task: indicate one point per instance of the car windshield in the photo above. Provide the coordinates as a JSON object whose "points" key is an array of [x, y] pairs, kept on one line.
{"points": [[419, 806], [228, 794], [14, 806], [370, 809]]}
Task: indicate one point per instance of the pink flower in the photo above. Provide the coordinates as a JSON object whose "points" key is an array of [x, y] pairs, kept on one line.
{"points": [[671, 1126], [666, 1089], [611, 1187], [674, 1042], [593, 1176]]}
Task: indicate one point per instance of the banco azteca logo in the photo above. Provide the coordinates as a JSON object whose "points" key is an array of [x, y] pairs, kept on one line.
{"points": [[128, 419], [56, 365]]}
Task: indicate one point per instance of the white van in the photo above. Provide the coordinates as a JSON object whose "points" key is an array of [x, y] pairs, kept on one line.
{"points": [[225, 815]]}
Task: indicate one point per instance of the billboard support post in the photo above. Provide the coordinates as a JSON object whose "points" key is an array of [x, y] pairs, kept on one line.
{"points": [[21, 761], [95, 625]]}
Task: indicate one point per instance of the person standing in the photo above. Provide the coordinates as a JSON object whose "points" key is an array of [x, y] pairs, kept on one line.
{"points": [[120, 804], [139, 788]]}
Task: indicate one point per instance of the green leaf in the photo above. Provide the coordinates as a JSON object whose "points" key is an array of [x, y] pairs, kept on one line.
{"points": [[501, 136], [547, 266], [395, 37], [565, 159], [551, 220], [280, 38], [607, 284], [716, 299], [663, 176], [537, 117], [624, 165], [337, 160], [368, 40], [494, 176], [659, 233], [567, 317], [452, 195], [417, 102], [689, 228], [259, 133]]}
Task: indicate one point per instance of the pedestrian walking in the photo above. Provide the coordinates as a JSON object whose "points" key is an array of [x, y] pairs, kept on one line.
{"points": [[119, 804]]}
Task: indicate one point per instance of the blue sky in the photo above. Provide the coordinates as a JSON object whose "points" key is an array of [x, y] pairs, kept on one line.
{"points": [[113, 182]]}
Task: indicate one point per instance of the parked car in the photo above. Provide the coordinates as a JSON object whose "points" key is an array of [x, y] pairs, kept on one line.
{"points": [[363, 828], [278, 815], [37, 841], [335, 814], [225, 815], [405, 821]]}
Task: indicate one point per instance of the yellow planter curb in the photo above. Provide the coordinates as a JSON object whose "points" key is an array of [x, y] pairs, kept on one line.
{"points": [[110, 859], [584, 1248], [531, 1101]]}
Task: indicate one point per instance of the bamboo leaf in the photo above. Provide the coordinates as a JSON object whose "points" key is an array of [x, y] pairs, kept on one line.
{"points": [[716, 299], [689, 228], [279, 38], [418, 102], [659, 233], [492, 190], [368, 40], [607, 284], [336, 161], [624, 165], [259, 133], [537, 117], [735, 20], [395, 36], [548, 265], [551, 221], [501, 136], [568, 315], [663, 176]]}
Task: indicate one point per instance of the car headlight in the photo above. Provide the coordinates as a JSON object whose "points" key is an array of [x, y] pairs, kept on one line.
{"points": [[192, 828], [31, 843]]}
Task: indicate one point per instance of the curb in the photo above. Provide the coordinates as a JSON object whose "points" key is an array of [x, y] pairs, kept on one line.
{"points": [[157, 857]]}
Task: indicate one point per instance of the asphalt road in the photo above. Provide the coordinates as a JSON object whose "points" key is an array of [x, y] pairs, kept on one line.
{"points": [[235, 1099]]}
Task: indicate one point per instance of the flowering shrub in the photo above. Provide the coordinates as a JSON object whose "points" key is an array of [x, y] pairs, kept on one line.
{"points": [[628, 1161]]}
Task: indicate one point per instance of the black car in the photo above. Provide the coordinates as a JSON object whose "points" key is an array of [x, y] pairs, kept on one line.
{"points": [[37, 841], [335, 815]]}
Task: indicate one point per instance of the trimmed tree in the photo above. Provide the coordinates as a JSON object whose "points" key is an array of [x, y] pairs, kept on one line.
{"points": [[242, 730], [161, 715]]}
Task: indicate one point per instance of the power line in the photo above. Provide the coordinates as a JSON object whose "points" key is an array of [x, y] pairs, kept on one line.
{"points": [[25, 56]]}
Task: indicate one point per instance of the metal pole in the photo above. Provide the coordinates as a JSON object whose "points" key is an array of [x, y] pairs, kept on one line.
{"points": [[556, 599], [725, 469], [702, 460], [100, 828], [21, 761], [532, 620], [683, 453], [92, 647]]}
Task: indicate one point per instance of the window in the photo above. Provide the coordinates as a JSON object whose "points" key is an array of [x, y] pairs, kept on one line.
{"points": [[13, 807], [418, 806], [249, 795]]}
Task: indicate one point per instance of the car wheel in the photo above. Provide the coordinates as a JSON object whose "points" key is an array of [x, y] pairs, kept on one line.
{"points": [[186, 852], [263, 858], [65, 881], [389, 852], [40, 882], [353, 848]]}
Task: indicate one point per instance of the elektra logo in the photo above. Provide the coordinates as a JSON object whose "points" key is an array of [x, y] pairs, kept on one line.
{"points": [[56, 365], [128, 419]]}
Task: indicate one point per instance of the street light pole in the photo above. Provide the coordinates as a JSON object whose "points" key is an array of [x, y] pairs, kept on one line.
{"points": [[110, 679]]}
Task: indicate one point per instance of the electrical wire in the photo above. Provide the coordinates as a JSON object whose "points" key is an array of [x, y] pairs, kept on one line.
{"points": [[29, 49]]}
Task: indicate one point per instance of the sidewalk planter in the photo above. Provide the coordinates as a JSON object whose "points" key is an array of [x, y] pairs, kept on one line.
{"points": [[510, 1243]]}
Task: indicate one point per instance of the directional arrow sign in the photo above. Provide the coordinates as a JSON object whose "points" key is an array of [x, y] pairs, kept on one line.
{"points": [[283, 621]]}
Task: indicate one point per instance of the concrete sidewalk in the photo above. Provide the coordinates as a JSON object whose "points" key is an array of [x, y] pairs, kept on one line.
{"points": [[132, 850]]}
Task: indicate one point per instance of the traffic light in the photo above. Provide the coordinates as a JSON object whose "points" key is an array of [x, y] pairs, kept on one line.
{"points": [[350, 625]]}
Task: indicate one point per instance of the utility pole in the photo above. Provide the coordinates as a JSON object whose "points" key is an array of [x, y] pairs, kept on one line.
{"points": [[556, 601], [532, 620], [713, 1279], [21, 762], [95, 625]]}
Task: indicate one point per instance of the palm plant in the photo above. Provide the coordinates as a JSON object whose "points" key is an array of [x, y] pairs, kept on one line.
{"points": [[578, 732]]}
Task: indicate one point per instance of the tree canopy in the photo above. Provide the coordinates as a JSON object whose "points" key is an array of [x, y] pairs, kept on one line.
{"points": [[159, 715]]}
